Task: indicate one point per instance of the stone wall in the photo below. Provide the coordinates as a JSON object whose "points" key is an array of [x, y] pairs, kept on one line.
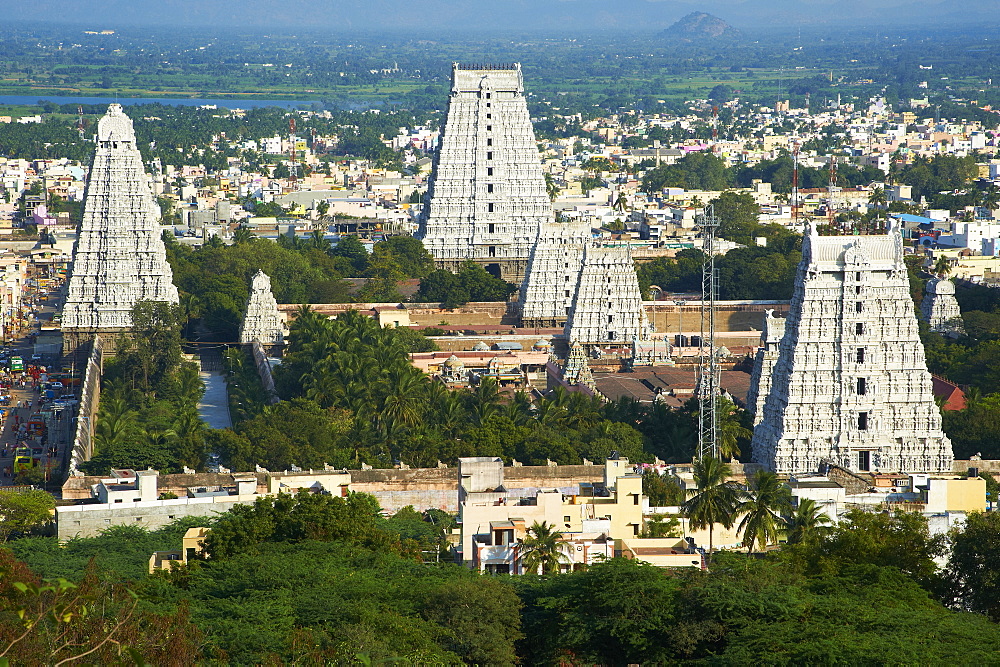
{"points": [[82, 448], [88, 520], [264, 371], [488, 313], [421, 487]]}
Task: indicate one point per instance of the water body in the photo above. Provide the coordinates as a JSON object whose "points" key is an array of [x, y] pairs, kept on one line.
{"points": [[170, 101]]}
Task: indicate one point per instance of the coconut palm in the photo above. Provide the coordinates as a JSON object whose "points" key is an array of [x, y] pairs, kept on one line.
{"points": [[242, 235], [767, 499], [729, 430], [715, 499], [942, 267], [621, 203], [807, 520], [543, 549]]}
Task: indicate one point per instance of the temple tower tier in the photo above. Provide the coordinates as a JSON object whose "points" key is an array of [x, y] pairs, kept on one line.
{"points": [[262, 321], [850, 382], [119, 258], [607, 302], [487, 196], [553, 270], [940, 308]]}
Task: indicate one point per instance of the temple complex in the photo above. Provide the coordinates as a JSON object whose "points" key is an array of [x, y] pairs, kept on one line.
{"points": [[850, 382], [553, 272], [487, 196], [261, 320], [940, 307], [119, 257], [607, 303]]}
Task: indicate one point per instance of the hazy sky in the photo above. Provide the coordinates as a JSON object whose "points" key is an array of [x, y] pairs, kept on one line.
{"points": [[501, 14]]}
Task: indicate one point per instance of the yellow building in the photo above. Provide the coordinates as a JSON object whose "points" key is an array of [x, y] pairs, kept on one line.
{"points": [[495, 520]]}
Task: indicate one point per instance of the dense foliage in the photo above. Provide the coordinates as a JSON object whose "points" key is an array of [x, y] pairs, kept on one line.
{"points": [[864, 591]]}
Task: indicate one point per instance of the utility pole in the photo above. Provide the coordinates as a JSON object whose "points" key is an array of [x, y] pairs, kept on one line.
{"points": [[708, 374], [294, 167]]}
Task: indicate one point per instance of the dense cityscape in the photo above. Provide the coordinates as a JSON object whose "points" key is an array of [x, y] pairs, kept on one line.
{"points": [[510, 361]]}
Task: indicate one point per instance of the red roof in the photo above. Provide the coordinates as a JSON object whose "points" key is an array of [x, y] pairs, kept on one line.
{"points": [[954, 397]]}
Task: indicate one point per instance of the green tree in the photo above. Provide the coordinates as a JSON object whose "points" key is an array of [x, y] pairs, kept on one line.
{"points": [[739, 216], [715, 500], [410, 255], [20, 511], [543, 549], [972, 578], [768, 498], [352, 249], [152, 351], [806, 522]]}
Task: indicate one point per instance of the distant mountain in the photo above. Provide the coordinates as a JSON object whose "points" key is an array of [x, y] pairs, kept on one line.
{"points": [[699, 25]]}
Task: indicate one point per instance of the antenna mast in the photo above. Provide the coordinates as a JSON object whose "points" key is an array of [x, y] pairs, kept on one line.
{"points": [[832, 184], [708, 374], [291, 150], [79, 124], [795, 185]]}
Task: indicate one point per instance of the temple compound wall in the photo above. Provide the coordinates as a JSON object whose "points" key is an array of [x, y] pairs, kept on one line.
{"points": [[487, 196], [850, 382]]}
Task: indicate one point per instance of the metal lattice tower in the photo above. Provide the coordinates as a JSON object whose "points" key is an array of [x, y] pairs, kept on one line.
{"points": [[708, 374]]}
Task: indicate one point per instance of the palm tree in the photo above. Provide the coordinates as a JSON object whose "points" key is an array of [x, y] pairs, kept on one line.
{"points": [[543, 548], [621, 203], [807, 520], [242, 235], [768, 498], [729, 429], [715, 500], [942, 267]]}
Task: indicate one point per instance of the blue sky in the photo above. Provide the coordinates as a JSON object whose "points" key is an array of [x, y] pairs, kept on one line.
{"points": [[502, 14]]}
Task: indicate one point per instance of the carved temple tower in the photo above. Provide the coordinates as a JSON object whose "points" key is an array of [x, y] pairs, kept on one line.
{"points": [[553, 272], [940, 307], [607, 301], [119, 257], [850, 382], [262, 321], [487, 196], [763, 366]]}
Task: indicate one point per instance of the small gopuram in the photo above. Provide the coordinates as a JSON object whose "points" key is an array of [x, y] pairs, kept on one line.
{"points": [[261, 320], [119, 257], [850, 382], [607, 302], [763, 365], [486, 197], [940, 308], [553, 272]]}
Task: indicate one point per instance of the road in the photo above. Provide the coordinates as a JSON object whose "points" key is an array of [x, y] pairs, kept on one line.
{"points": [[11, 436]]}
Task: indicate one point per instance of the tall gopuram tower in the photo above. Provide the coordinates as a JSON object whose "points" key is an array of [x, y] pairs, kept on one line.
{"points": [[607, 302], [850, 384], [119, 257], [553, 272], [487, 195]]}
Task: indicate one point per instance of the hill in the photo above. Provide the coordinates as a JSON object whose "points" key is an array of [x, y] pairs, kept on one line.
{"points": [[699, 24]]}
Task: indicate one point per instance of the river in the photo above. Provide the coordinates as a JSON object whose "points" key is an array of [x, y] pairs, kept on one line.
{"points": [[178, 101]]}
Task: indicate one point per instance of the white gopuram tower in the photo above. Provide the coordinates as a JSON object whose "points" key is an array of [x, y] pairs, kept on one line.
{"points": [[940, 307], [850, 384], [763, 364], [553, 272], [262, 321], [607, 301], [487, 196], [119, 257]]}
